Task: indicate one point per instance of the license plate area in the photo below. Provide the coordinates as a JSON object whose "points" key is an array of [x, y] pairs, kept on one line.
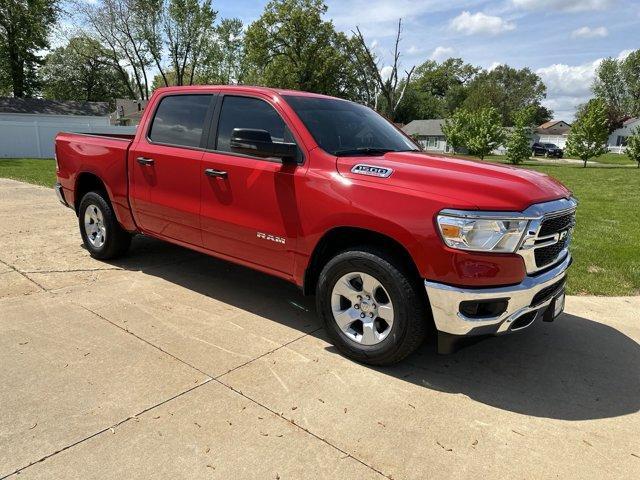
{"points": [[555, 308]]}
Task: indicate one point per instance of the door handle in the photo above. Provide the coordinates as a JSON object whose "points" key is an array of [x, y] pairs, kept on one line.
{"points": [[145, 161], [210, 172]]}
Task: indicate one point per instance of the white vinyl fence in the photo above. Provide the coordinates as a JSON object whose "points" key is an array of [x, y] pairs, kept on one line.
{"points": [[24, 137]]}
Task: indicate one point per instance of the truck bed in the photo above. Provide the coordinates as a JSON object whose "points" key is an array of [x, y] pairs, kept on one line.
{"points": [[102, 155]]}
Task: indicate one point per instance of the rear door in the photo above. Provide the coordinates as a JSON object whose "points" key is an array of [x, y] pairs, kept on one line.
{"points": [[165, 165], [250, 212]]}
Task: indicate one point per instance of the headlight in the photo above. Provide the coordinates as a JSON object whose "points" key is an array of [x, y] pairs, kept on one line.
{"points": [[482, 234]]}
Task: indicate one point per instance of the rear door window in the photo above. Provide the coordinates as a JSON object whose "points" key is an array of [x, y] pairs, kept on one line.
{"points": [[180, 119]]}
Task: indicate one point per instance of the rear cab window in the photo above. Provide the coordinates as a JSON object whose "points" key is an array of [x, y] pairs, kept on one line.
{"points": [[180, 120]]}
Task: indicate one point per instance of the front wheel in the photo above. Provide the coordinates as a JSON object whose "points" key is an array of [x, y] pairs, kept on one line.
{"points": [[373, 310], [101, 233]]}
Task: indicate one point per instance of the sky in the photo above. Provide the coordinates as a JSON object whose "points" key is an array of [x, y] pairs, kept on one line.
{"points": [[561, 40]]}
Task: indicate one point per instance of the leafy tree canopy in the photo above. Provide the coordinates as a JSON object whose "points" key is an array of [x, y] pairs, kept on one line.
{"points": [[508, 90], [81, 70], [518, 141], [617, 84], [633, 146], [292, 46], [589, 133], [24, 28]]}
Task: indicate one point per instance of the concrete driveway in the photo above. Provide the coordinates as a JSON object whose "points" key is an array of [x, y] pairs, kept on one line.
{"points": [[171, 364]]}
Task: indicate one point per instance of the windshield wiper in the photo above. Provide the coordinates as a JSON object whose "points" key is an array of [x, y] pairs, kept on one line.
{"points": [[363, 151]]}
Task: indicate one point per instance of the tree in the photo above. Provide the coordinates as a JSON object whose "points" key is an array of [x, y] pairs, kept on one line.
{"points": [[291, 46], [391, 87], [81, 70], [455, 129], [518, 142], [188, 24], [589, 133], [438, 89], [484, 132], [508, 90], [24, 28], [633, 146], [117, 25], [224, 54], [617, 84]]}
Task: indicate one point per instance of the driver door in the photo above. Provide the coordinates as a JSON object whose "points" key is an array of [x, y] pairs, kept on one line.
{"points": [[249, 210]]}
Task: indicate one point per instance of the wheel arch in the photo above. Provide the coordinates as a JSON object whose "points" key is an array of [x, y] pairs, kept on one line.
{"points": [[342, 238], [88, 182]]}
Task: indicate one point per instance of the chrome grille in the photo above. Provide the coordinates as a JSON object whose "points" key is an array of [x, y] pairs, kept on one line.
{"points": [[556, 224], [548, 237]]}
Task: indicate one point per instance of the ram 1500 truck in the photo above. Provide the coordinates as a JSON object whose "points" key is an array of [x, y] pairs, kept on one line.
{"points": [[396, 245]]}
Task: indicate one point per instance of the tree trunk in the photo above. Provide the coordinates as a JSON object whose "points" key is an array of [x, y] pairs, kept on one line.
{"points": [[585, 163], [16, 65]]}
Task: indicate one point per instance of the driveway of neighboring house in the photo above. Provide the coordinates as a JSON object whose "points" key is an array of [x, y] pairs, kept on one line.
{"points": [[171, 364]]}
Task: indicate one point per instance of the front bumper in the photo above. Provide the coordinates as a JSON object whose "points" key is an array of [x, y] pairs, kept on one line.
{"points": [[525, 302]]}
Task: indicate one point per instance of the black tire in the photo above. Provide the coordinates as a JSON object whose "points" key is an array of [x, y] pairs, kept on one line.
{"points": [[411, 312], [116, 239]]}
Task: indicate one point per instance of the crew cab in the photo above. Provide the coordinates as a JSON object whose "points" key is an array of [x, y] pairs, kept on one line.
{"points": [[395, 244]]}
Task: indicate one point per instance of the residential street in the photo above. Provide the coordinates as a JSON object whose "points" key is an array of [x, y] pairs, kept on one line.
{"points": [[172, 364]]}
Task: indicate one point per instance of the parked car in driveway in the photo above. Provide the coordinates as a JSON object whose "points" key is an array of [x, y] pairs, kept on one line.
{"points": [[327, 194], [546, 149]]}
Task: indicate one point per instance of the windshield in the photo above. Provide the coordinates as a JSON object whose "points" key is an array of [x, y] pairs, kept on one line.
{"points": [[346, 128], [550, 145]]}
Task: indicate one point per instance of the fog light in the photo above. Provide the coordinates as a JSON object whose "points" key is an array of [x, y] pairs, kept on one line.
{"points": [[484, 308]]}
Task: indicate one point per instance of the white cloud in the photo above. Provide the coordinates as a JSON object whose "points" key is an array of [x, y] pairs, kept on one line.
{"points": [[494, 65], [624, 54], [442, 53], [564, 5], [382, 14], [480, 23], [385, 72], [588, 32], [569, 86]]}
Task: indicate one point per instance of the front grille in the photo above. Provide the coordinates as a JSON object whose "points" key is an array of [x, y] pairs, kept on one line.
{"points": [[556, 224], [547, 255], [548, 235], [547, 292]]}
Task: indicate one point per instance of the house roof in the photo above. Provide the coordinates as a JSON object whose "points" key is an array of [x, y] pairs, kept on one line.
{"points": [[549, 124], [430, 128], [53, 107], [630, 121], [554, 127]]}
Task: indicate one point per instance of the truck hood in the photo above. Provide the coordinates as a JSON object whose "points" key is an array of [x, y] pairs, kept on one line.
{"points": [[469, 184]]}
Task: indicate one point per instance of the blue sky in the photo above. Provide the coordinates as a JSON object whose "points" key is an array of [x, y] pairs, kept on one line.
{"points": [[562, 40]]}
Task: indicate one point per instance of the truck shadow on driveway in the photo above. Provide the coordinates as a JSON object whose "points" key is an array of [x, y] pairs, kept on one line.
{"points": [[573, 369]]}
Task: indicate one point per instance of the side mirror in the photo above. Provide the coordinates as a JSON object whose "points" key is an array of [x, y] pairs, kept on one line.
{"points": [[258, 143]]}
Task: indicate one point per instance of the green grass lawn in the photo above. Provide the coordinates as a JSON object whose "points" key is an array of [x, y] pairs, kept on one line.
{"points": [[614, 159], [606, 244], [39, 171]]}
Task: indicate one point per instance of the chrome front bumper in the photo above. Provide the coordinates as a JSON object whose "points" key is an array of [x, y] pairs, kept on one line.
{"points": [[445, 304]]}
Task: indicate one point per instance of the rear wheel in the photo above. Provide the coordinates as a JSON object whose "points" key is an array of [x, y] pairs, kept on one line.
{"points": [[101, 233], [374, 311]]}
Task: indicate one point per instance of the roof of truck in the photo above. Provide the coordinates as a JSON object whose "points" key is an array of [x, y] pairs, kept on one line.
{"points": [[244, 88]]}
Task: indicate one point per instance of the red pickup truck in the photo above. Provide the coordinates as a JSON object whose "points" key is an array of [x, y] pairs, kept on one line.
{"points": [[396, 245]]}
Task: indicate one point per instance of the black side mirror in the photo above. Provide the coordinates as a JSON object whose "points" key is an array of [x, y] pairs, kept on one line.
{"points": [[258, 143]]}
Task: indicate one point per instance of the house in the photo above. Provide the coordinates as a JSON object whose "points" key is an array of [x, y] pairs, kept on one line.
{"points": [[29, 125], [428, 133], [618, 138], [128, 112], [553, 131]]}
